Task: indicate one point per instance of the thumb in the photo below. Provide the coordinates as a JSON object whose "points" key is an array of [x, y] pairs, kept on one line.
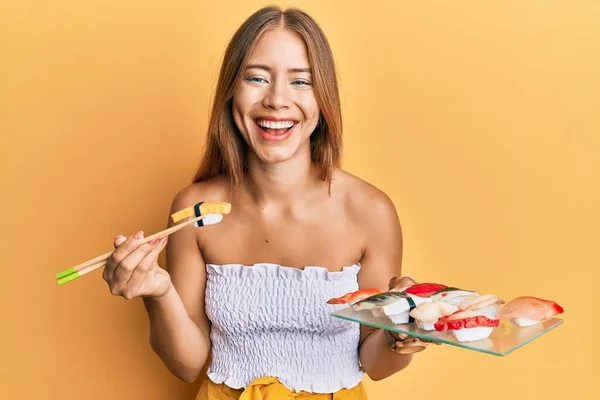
{"points": [[119, 240]]}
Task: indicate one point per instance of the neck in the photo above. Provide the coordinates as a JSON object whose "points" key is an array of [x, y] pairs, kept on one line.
{"points": [[281, 183]]}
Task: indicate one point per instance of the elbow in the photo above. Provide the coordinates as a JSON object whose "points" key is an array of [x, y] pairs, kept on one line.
{"points": [[380, 372], [376, 376], [187, 373], [188, 376]]}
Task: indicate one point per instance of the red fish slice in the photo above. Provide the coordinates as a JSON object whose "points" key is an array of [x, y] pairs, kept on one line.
{"points": [[425, 289], [354, 297]]}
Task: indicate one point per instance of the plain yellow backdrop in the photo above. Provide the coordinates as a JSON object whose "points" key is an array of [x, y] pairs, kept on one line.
{"points": [[480, 119]]}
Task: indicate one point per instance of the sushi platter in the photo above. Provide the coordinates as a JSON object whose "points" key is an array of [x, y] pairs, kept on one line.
{"points": [[458, 317]]}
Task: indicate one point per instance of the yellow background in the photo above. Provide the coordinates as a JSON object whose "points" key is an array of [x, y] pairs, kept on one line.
{"points": [[480, 119]]}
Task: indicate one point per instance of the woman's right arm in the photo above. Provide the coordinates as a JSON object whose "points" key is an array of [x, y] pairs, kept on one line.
{"points": [[179, 327], [174, 300]]}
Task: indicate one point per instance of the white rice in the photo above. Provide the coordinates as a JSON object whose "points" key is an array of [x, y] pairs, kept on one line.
{"points": [[472, 334], [523, 321], [399, 318], [426, 326]]}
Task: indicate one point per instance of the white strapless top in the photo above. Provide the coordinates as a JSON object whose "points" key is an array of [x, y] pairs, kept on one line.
{"points": [[272, 320]]}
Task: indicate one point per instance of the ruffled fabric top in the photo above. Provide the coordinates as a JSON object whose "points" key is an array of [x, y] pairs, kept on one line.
{"points": [[273, 320]]}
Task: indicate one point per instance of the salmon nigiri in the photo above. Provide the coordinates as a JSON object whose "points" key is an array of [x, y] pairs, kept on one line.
{"points": [[528, 310], [353, 297]]}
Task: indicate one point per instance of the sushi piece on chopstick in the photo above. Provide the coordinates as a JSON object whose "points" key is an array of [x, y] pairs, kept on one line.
{"points": [[528, 310], [353, 297], [467, 326], [213, 212], [427, 314]]}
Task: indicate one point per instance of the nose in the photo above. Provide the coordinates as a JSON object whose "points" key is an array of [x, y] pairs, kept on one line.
{"points": [[278, 96]]}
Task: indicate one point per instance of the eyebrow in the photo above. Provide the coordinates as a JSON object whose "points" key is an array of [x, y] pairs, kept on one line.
{"points": [[268, 69]]}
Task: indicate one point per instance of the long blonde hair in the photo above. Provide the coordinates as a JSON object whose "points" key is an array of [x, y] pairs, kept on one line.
{"points": [[225, 149]]}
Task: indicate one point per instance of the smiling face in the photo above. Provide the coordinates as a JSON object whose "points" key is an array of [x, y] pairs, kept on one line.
{"points": [[274, 107]]}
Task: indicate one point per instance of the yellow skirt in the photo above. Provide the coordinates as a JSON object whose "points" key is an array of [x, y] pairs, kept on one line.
{"points": [[269, 388]]}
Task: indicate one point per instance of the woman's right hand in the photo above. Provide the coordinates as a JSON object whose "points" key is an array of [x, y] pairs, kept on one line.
{"points": [[132, 269]]}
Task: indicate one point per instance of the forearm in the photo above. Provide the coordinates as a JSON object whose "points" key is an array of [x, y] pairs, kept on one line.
{"points": [[180, 343], [378, 360]]}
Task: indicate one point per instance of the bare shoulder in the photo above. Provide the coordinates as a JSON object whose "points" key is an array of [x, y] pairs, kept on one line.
{"points": [[378, 226], [364, 201]]}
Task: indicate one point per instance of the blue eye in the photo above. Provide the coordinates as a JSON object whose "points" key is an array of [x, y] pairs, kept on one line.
{"points": [[255, 79], [301, 83]]}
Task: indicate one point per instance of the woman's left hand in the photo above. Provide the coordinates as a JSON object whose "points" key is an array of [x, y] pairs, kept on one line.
{"points": [[405, 344]]}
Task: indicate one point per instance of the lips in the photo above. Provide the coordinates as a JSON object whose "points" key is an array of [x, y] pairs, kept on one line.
{"points": [[275, 129]]}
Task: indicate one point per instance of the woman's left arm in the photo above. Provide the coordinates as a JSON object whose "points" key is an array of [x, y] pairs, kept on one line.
{"points": [[382, 260]]}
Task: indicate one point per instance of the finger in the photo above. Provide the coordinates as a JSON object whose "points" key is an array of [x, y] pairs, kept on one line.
{"points": [[398, 336], [128, 264], [121, 251], [410, 349], [139, 277], [119, 240]]}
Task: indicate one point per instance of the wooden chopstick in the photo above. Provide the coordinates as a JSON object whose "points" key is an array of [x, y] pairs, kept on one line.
{"points": [[88, 266], [77, 274]]}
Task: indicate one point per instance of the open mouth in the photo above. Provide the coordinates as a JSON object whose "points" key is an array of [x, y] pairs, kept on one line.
{"points": [[275, 128]]}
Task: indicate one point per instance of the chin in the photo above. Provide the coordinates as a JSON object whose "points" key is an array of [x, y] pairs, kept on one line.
{"points": [[274, 157], [273, 153]]}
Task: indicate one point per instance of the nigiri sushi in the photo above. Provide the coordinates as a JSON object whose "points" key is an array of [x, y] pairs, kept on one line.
{"points": [[426, 314], [528, 310], [467, 326], [375, 302], [353, 297], [452, 295], [486, 304], [399, 311]]}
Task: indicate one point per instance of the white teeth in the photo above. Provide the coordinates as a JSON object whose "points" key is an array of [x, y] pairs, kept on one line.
{"points": [[275, 124]]}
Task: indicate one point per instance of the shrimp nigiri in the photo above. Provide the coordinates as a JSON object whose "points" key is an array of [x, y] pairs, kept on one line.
{"points": [[528, 310], [353, 297]]}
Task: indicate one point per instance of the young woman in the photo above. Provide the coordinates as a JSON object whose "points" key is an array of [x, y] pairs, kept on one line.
{"points": [[252, 290]]}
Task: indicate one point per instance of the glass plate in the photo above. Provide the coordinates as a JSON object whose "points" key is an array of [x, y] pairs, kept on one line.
{"points": [[504, 339]]}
